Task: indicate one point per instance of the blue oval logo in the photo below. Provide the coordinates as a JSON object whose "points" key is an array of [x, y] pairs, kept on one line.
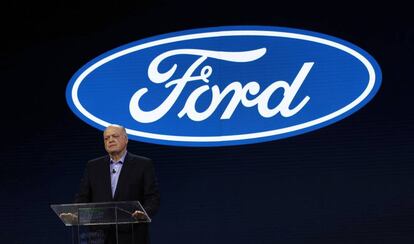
{"points": [[224, 86]]}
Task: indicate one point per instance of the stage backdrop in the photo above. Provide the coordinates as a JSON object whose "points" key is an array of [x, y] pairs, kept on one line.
{"points": [[349, 182]]}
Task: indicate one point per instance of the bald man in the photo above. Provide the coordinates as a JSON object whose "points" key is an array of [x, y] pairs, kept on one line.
{"points": [[121, 176]]}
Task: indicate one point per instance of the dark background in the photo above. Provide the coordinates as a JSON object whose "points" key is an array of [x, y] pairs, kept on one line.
{"points": [[349, 182]]}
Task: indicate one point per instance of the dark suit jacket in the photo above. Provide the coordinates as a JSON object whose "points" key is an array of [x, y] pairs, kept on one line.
{"points": [[136, 181]]}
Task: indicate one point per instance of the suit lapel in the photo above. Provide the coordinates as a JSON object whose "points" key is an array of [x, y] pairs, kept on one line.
{"points": [[123, 177], [106, 178]]}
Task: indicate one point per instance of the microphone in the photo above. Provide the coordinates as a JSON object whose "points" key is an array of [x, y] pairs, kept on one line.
{"points": [[113, 171]]}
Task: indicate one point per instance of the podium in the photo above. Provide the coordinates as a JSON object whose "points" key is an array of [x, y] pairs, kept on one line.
{"points": [[91, 222]]}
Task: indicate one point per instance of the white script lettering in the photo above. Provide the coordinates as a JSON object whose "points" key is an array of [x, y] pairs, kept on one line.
{"points": [[239, 95]]}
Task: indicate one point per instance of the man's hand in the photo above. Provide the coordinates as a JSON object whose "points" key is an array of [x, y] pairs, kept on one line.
{"points": [[139, 215], [69, 218]]}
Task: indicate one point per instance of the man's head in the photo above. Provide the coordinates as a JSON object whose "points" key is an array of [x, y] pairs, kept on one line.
{"points": [[115, 139]]}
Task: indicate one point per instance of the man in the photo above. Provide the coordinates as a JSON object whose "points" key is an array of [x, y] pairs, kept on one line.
{"points": [[121, 176]]}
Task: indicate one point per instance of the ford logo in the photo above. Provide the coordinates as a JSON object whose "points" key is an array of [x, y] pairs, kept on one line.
{"points": [[224, 86]]}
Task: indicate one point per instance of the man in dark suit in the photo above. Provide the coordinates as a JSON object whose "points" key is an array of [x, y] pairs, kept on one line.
{"points": [[121, 176]]}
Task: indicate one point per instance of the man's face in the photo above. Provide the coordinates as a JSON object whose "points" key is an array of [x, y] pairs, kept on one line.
{"points": [[115, 140]]}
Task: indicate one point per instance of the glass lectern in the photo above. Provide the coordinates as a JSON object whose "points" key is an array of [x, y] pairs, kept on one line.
{"points": [[88, 220]]}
